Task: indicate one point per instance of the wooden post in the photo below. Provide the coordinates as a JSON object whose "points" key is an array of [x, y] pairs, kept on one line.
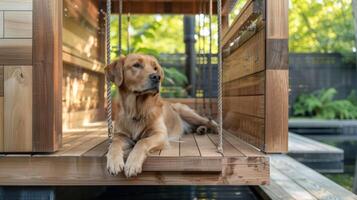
{"points": [[276, 98], [47, 75]]}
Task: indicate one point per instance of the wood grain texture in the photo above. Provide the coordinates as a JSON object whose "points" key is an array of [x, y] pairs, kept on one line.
{"points": [[91, 171], [1, 81], [250, 85], [276, 115], [1, 124], [47, 75], [251, 10], [277, 19], [15, 52], [18, 109], [248, 105], [173, 150], [1, 24], [246, 60], [88, 168], [247, 128], [292, 180], [189, 146], [16, 5], [206, 146], [277, 54], [18, 24]]}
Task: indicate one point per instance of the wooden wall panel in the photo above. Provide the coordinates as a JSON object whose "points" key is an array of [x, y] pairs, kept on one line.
{"points": [[16, 5], [251, 10], [15, 51], [15, 91], [83, 56], [249, 85], [248, 128], [248, 105], [1, 24], [18, 24], [47, 75], [18, 108], [255, 80], [246, 60]]}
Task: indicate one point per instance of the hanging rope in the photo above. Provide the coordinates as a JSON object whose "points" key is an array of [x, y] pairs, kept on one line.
{"points": [[120, 27], [219, 100], [209, 60], [109, 92], [128, 34]]}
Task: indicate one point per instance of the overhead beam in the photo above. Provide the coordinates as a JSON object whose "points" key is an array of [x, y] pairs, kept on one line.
{"points": [[170, 6]]}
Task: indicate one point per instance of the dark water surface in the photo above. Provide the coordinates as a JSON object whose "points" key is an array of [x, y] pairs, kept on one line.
{"points": [[128, 192]]}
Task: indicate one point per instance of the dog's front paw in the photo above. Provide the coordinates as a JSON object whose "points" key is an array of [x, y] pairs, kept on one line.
{"points": [[115, 164], [133, 166]]}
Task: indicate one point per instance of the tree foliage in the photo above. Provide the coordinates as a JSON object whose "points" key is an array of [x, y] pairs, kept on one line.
{"points": [[321, 26]]}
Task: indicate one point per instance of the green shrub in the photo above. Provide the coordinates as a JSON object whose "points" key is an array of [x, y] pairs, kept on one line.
{"points": [[321, 104]]}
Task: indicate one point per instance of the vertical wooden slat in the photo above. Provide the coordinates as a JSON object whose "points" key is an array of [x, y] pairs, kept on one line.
{"points": [[1, 108], [47, 75], [276, 102], [1, 24], [18, 108]]}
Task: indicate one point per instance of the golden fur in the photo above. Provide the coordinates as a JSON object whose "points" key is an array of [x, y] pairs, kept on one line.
{"points": [[144, 118]]}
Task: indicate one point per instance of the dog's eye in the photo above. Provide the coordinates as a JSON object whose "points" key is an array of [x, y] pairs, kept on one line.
{"points": [[155, 68], [137, 65]]}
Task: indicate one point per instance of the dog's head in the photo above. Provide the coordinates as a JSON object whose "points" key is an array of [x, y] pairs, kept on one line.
{"points": [[137, 73]]}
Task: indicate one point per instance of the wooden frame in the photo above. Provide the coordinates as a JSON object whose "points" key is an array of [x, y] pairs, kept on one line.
{"points": [[255, 75]]}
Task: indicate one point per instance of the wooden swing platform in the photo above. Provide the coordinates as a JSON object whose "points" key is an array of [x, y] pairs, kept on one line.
{"points": [[191, 161]]}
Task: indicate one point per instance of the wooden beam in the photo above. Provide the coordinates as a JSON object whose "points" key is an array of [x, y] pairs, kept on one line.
{"points": [[91, 171], [163, 6], [277, 76], [47, 75]]}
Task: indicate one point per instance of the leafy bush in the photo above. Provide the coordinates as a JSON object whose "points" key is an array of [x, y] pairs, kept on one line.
{"points": [[174, 83], [321, 104]]}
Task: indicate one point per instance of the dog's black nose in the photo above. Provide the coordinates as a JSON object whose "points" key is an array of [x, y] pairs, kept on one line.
{"points": [[155, 77]]}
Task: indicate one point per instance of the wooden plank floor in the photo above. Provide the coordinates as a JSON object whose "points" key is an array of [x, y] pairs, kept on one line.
{"points": [[191, 160], [293, 180], [319, 156]]}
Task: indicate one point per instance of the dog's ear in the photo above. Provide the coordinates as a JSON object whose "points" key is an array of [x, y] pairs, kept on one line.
{"points": [[114, 71], [162, 73]]}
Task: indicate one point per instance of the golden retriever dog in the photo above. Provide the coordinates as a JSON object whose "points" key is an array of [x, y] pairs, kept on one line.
{"points": [[145, 122]]}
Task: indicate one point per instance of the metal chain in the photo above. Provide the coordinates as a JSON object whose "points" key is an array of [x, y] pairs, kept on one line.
{"points": [[109, 92], [219, 54]]}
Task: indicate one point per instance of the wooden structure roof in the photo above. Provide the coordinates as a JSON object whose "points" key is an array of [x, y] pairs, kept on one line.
{"points": [[170, 6]]}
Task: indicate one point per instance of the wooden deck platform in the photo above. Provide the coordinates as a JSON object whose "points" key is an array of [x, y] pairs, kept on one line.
{"points": [[319, 156], [192, 160], [292, 180]]}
